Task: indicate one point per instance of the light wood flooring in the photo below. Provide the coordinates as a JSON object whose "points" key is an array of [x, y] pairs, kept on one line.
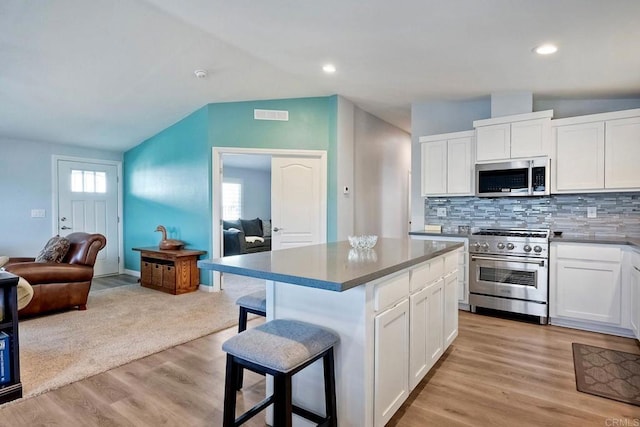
{"points": [[498, 372], [109, 282]]}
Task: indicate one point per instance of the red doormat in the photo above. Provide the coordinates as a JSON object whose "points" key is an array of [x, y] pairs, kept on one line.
{"points": [[607, 373]]}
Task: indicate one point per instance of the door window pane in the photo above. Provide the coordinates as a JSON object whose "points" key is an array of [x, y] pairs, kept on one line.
{"points": [[88, 181]]}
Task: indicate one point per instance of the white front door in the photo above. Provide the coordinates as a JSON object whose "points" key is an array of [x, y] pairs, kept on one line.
{"points": [[297, 202], [88, 201]]}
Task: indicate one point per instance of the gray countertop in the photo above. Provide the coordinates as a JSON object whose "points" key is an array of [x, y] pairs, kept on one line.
{"points": [[332, 266], [435, 234], [569, 238]]}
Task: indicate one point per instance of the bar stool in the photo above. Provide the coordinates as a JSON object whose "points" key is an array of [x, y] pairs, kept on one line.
{"points": [[280, 348], [255, 303]]}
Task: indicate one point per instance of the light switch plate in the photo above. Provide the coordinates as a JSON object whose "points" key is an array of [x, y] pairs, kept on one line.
{"points": [[37, 213], [592, 212]]}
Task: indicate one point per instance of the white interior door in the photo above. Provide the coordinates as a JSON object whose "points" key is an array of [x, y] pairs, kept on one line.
{"points": [[298, 202], [88, 201]]}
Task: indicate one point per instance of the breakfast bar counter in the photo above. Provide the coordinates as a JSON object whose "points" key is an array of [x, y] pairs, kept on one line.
{"points": [[393, 306]]}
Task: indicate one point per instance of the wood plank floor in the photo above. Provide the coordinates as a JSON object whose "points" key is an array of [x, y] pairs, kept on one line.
{"points": [[498, 372], [109, 282]]}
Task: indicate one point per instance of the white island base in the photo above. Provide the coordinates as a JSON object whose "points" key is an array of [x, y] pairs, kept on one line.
{"points": [[392, 331]]}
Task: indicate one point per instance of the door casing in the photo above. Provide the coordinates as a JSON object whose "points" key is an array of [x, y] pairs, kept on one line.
{"points": [[216, 190], [55, 195]]}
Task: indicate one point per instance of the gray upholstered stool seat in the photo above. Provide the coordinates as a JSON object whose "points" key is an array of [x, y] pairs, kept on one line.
{"points": [[281, 345], [280, 348], [255, 301]]}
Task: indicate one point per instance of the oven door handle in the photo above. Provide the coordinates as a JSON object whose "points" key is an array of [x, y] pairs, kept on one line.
{"points": [[540, 262]]}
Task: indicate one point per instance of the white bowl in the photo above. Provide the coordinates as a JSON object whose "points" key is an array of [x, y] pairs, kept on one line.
{"points": [[363, 242]]}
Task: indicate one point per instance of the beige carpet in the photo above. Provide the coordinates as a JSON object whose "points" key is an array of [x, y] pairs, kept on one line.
{"points": [[120, 325]]}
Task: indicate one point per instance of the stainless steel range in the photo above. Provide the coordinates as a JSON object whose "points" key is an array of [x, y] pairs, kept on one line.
{"points": [[508, 271]]}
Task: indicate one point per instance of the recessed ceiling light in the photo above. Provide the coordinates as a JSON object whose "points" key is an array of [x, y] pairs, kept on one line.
{"points": [[545, 49], [329, 68]]}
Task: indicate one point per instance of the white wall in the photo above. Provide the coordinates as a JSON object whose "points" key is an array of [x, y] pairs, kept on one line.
{"points": [[433, 118], [256, 191], [345, 164], [25, 184], [382, 162]]}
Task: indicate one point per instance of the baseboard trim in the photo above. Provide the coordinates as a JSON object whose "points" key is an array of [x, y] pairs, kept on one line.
{"points": [[206, 288], [591, 327], [131, 272]]}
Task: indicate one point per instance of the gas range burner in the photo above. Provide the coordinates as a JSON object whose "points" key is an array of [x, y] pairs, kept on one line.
{"points": [[510, 242]]}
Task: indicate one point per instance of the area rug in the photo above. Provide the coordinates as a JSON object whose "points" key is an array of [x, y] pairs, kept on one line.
{"points": [[607, 373], [120, 325]]}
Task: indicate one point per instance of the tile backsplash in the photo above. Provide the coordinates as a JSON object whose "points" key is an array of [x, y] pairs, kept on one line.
{"points": [[618, 214]]}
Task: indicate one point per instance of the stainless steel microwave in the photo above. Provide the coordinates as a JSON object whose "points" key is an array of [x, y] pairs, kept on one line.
{"points": [[528, 177]]}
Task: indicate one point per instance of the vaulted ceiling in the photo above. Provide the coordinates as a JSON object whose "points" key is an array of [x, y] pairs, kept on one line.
{"points": [[111, 73]]}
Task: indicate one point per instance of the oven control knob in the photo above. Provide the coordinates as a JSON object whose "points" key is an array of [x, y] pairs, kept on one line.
{"points": [[510, 246], [537, 249], [527, 248], [485, 246], [500, 245], [476, 245]]}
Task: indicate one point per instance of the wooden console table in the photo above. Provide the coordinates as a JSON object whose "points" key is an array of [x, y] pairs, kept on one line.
{"points": [[171, 271]]}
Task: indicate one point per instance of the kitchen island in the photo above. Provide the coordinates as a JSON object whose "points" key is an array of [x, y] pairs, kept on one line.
{"points": [[394, 308]]}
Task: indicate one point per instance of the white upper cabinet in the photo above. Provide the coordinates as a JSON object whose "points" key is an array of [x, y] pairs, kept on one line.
{"points": [[579, 157], [531, 138], [494, 142], [447, 164], [596, 153], [513, 137], [434, 168], [622, 153]]}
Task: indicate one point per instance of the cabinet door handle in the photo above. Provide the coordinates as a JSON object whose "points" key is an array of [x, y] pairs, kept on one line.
{"points": [[637, 269]]}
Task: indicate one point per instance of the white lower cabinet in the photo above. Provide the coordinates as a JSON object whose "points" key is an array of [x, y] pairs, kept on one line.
{"points": [[412, 333], [426, 340], [586, 288], [463, 262], [450, 326], [634, 270], [391, 376]]}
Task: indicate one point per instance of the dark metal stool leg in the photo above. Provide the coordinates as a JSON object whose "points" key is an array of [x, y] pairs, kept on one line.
{"points": [[330, 389], [282, 408], [242, 320], [242, 326], [229, 414]]}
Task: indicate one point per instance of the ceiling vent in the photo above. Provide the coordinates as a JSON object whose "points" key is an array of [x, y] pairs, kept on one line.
{"points": [[280, 115]]}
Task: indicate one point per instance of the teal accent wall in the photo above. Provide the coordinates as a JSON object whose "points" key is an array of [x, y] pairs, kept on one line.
{"points": [[166, 182], [311, 126], [167, 178]]}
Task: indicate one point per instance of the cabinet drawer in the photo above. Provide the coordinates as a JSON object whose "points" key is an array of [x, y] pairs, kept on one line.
{"points": [[426, 273], [386, 293], [589, 252], [451, 262]]}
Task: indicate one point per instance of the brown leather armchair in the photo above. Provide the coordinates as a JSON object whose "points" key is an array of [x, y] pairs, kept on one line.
{"points": [[61, 285]]}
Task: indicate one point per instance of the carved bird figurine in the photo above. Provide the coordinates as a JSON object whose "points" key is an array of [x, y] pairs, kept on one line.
{"points": [[168, 243]]}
